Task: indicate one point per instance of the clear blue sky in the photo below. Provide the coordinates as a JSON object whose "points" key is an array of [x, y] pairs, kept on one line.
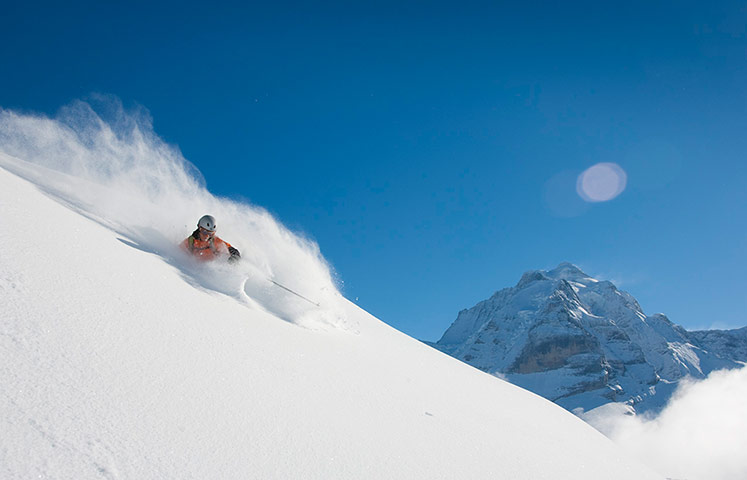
{"points": [[431, 148]]}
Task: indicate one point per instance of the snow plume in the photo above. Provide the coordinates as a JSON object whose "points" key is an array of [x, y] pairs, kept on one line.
{"points": [[108, 164], [700, 435]]}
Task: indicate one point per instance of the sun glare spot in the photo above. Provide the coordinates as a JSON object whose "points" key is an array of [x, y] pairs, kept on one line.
{"points": [[601, 182]]}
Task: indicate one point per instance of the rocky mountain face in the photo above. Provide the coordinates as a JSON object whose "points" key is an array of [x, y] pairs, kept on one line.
{"points": [[581, 342], [725, 343]]}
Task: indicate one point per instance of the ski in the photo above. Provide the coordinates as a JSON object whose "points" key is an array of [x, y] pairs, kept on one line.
{"points": [[294, 293]]}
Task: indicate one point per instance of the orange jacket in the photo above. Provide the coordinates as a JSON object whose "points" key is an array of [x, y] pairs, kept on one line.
{"points": [[206, 250]]}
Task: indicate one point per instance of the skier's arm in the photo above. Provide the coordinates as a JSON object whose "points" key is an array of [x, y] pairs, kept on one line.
{"points": [[186, 246], [234, 254]]}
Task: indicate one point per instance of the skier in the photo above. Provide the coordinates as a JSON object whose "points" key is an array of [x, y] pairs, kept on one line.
{"points": [[205, 245]]}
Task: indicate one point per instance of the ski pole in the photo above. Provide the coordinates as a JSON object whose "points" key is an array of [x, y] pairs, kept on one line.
{"points": [[294, 293]]}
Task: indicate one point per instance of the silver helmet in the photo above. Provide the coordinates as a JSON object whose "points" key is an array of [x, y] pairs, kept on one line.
{"points": [[207, 222]]}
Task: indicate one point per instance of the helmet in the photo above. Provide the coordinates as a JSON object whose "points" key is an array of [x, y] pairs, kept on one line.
{"points": [[207, 222]]}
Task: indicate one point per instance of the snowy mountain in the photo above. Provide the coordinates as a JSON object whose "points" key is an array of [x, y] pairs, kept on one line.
{"points": [[582, 343], [724, 343], [124, 359]]}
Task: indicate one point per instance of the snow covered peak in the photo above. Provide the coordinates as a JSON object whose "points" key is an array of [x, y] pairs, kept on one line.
{"points": [[530, 277], [564, 271], [568, 271], [578, 341]]}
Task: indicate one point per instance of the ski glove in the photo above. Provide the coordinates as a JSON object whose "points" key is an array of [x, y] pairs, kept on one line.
{"points": [[235, 255]]}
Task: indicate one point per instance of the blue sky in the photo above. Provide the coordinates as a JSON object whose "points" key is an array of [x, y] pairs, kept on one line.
{"points": [[432, 148]]}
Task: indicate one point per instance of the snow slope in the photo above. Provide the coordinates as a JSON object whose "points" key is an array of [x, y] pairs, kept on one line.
{"points": [[120, 362]]}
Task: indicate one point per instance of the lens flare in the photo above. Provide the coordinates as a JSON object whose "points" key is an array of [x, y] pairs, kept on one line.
{"points": [[601, 182]]}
